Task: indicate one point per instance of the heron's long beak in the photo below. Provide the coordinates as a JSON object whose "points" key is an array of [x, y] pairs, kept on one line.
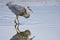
{"points": [[31, 10]]}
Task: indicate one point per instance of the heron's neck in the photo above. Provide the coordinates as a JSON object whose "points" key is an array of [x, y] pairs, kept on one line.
{"points": [[27, 15], [27, 10]]}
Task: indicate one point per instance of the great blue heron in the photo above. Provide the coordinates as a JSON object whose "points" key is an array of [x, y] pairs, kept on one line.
{"points": [[19, 10]]}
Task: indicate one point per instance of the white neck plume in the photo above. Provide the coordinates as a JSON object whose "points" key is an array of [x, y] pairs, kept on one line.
{"points": [[28, 13]]}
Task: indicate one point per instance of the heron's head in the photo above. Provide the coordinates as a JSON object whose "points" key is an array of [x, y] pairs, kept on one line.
{"points": [[29, 9]]}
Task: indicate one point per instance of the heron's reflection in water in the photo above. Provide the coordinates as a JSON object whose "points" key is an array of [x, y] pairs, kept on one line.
{"points": [[25, 35]]}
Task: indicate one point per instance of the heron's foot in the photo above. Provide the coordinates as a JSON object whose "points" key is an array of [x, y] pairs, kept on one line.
{"points": [[18, 31]]}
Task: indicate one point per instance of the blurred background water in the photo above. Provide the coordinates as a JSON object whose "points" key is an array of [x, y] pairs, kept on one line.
{"points": [[44, 22]]}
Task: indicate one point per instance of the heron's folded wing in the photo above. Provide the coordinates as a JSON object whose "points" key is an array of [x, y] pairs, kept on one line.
{"points": [[19, 8]]}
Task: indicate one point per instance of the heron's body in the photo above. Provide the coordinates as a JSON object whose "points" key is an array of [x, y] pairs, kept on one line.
{"points": [[19, 10]]}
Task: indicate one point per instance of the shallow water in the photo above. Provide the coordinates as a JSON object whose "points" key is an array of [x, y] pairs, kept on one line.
{"points": [[44, 23]]}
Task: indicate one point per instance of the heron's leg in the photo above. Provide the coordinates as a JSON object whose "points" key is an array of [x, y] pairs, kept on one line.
{"points": [[17, 19], [17, 24]]}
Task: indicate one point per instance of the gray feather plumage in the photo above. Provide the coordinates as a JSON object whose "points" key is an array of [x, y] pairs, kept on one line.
{"points": [[16, 9]]}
